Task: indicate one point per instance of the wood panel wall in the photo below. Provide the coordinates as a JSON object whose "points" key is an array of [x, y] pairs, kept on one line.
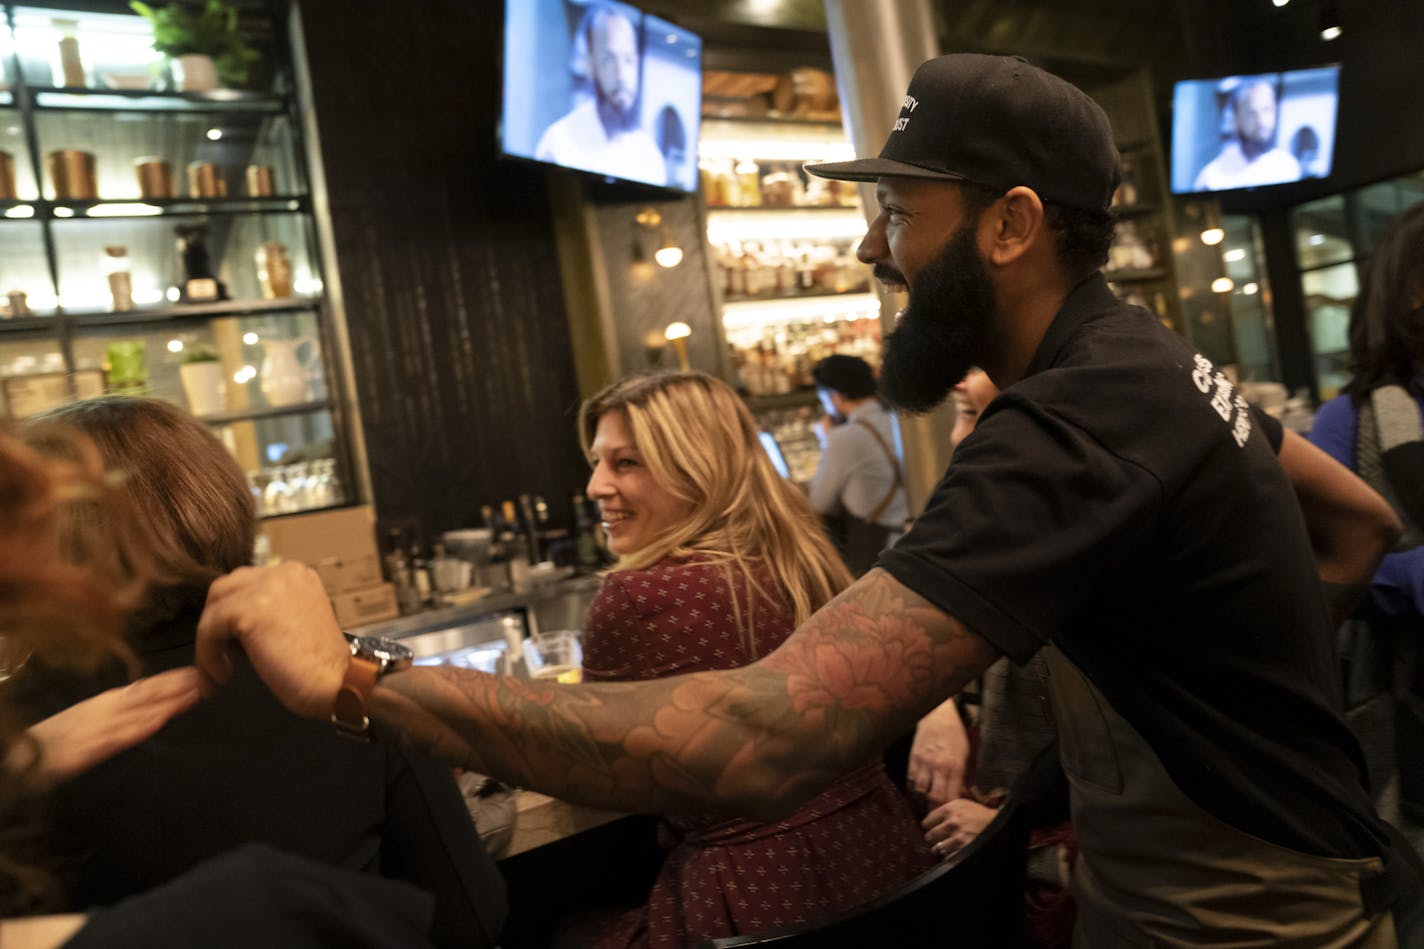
{"points": [[461, 353]]}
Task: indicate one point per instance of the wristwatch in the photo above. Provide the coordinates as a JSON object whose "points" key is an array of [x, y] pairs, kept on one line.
{"points": [[371, 658]]}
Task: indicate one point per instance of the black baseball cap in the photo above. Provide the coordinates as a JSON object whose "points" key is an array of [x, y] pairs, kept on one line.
{"points": [[997, 121]]}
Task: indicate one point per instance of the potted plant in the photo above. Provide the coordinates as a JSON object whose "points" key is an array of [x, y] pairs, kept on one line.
{"points": [[203, 384], [204, 48]]}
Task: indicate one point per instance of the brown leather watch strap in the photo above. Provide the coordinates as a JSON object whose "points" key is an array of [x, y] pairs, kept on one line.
{"points": [[349, 710]]}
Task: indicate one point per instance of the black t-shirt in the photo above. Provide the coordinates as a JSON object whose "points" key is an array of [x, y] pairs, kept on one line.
{"points": [[1122, 502]]}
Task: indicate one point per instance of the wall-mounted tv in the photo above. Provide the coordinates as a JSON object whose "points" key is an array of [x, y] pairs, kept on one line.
{"points": [[601, 87], [1253, 130]]}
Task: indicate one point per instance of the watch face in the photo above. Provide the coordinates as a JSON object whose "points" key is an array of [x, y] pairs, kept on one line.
{"points": [[382, 650]]}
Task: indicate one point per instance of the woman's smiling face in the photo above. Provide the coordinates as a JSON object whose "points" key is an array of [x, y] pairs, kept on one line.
{"points": [[633, 506]]}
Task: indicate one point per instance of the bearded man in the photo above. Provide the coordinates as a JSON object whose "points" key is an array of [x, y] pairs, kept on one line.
{"points": [[1118, 504], [605, 134]]}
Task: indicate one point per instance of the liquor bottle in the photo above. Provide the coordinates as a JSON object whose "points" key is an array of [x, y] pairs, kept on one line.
{"points": [[532, 547], [590, 558], [399, 573], [420, 576]]}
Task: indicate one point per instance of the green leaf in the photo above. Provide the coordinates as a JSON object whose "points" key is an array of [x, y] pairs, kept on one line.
{"points": [[178, 31]]}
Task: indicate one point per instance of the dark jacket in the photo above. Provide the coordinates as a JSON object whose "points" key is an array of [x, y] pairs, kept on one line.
{"points": [[240, 768]]}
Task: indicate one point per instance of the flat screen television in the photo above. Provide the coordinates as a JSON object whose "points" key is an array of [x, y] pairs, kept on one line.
{"points": [[1256, 130], [601, 87]]}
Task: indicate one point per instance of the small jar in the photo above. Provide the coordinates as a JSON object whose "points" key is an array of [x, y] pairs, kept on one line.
{"points": [[274, 270], [115, 263]]}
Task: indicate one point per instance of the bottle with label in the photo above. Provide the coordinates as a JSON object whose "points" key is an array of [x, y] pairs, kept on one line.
{"points": [[274, 270], [198, 285], [420, 576], [70, 73], [589, 554], [116, 268]]}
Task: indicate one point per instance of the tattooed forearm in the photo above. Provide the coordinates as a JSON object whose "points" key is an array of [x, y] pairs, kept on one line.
{"points": [[757, 740]]}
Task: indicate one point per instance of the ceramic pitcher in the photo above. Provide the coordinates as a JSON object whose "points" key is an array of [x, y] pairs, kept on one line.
{"points": [[284, 370]]}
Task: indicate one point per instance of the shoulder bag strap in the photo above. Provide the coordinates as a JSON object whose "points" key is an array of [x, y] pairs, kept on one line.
{"points": [[874, 516]]}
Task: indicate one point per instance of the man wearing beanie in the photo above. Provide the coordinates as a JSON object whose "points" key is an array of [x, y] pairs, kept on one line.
{"points": [[1118, 503], [857, 487]]}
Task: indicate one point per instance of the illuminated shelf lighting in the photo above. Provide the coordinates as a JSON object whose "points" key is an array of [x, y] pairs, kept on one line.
{"points": [[729, 224], [851, 306]]}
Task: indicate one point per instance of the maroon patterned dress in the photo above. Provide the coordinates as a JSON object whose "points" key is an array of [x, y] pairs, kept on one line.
{"points": [[722, 876]]}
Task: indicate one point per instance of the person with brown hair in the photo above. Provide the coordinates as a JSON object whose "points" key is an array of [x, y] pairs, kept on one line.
{"points": [[66, 613], [719, 559], [1375, 427], [240, 768]]}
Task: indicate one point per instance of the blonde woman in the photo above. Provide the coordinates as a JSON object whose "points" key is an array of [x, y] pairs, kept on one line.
{"points": [[719, 560]]}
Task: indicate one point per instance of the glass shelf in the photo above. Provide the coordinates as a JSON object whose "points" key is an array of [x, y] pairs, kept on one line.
{"points": [[168, 207], [19, 210], [38, 325], [192, 311], [253, 415], [151, 100], [755, 209], [1134, 276], [753, 223]]}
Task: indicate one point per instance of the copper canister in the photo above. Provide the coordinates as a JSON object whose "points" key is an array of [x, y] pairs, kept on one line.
{"points": [[203, 180], [260, 181], [7, 177], [73, 175], [155, 177]]}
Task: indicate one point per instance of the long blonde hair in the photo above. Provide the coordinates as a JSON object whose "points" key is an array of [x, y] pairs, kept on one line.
{"points": [[700, 444]]}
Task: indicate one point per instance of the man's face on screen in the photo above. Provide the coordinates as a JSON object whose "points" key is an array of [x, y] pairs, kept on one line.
{"points": [[615, 63]]}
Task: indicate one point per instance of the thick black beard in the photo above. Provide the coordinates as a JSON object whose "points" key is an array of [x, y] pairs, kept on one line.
{"points": [[941, 333], [615, 120]]}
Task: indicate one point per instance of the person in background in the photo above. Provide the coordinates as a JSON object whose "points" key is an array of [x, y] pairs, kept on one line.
{"points": [[672, 142], [240, 768], [719, 559], [1374, 428], [1118, 500], [1011, 728], [1252, 158], [606, 134], [857, 486]]}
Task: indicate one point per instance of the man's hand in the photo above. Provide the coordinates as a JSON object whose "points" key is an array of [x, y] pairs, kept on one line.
{"points": [[939, 755], [74, 740], [282, 619], [952, 826]]}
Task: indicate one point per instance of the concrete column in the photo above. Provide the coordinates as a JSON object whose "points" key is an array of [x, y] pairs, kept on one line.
{"points": [[876, 46]]}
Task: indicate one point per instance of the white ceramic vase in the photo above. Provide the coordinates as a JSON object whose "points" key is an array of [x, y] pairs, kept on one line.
{"points": [[204, 388], [194, 72], [284, 371]]}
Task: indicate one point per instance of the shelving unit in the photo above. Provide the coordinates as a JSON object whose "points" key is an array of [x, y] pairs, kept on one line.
{"points": [[273, 402], [1141, 268], [783, 247]]}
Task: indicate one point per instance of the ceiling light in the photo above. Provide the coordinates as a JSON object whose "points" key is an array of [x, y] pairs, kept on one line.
{"points": [[1234, 254], [1213, 236], [677, 333], [1330, 28], [1222, 285], [1250, 289]]}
